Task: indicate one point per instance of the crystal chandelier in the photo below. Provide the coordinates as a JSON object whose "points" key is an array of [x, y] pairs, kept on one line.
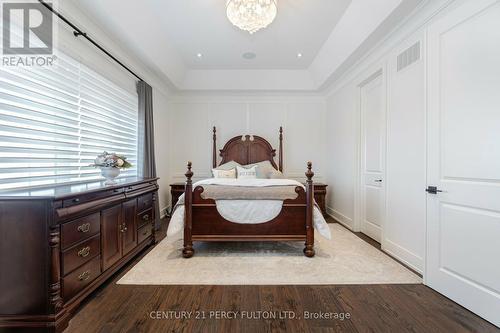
{"points": [[251, 15]]}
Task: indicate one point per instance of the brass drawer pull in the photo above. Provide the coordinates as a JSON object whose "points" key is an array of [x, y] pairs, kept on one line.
{"points": [[145, 217], [145, 233], [76, 200], [84, 252], [84, 227], [84, 276]]}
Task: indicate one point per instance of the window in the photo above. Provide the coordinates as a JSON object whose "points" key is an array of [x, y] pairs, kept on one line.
{"points": [[54, 121]]}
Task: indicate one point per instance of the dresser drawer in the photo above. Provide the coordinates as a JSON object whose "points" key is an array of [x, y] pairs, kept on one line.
{"points": [[145, 218], [91, 196], [143, 233], [144, 202], [80, 254], [80, 229], [81, 277], [137, 187]]}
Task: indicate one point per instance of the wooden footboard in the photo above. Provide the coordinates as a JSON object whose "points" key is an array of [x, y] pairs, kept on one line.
{"points": [[204, 223]]}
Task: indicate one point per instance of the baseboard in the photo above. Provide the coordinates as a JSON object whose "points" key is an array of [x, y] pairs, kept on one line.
{"points": [[406, 257], [164, 212], [340, 218]]}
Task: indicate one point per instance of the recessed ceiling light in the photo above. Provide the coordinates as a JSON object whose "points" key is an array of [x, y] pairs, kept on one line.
{"points": [[299, 55], [199, 55], [249, 55]]}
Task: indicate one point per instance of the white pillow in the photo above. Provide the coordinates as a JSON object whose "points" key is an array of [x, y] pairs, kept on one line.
{"points": [[224, 173], [264, 169], [250, 173]]}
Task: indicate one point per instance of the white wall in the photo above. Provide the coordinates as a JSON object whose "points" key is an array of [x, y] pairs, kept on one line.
{"points": [[341, 150], [405, 180], [162, 117], [404, 225], [404, 222], [302, 118]]}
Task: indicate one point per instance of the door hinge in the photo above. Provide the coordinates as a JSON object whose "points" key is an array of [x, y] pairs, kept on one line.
{"points": [[432, 190]]}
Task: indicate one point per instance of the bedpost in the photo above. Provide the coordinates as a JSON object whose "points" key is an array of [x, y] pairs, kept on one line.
{"points": [[214, 148], [309, 249], [188, 251], [280, 161]]}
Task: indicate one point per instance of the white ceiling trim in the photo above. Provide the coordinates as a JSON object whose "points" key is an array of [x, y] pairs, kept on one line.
{"points": [[294, 80]]}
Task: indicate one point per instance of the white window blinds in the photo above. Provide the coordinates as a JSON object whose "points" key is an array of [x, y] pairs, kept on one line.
{"points": [[54, 121]]}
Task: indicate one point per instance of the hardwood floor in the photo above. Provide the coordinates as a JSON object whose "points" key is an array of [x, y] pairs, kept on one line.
{"points": [[372, 308]]}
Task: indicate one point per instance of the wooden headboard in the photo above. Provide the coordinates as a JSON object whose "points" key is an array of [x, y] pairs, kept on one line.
{"points": [[252, 149]]}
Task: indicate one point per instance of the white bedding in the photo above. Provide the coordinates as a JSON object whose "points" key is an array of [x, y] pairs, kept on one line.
{"points": [[248, 211]]}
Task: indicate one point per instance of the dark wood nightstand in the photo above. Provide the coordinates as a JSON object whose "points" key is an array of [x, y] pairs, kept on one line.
{"points": [[320, 196], [176, 189]]}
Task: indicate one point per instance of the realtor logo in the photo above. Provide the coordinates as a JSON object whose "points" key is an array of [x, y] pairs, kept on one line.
{"points": [[27, 33]]}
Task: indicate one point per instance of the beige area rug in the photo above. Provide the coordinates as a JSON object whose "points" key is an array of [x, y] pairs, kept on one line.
{"points": [[346, 259]]}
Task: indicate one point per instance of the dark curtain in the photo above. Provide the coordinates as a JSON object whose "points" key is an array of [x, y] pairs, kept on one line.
{"points": [[146, 159]]}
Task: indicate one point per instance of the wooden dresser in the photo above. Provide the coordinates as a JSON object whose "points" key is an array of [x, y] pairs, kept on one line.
{"points": [[177, 189], [59, 244]]}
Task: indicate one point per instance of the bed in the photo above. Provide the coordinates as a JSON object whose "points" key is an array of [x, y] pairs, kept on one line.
{"points": [[247, 209]]}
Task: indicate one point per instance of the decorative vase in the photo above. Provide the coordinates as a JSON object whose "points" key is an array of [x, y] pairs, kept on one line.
{"points": [[110, 173]]}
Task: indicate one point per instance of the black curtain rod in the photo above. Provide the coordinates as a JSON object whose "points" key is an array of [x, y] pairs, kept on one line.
{"points": [[77, 32]]}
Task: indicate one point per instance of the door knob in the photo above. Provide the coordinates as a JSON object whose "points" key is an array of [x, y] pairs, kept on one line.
{"points": [[432, 190]]}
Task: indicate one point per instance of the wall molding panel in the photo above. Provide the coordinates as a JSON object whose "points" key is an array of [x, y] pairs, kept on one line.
{"points": [[303, 121]]}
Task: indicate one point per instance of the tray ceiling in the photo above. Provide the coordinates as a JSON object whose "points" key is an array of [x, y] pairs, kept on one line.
{"points": [[193, 44]]}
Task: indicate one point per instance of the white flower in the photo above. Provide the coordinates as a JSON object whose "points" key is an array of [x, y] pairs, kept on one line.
{"points": [[119, 162]]}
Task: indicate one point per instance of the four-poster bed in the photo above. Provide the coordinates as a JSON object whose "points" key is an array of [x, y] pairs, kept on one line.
{"points": [[202, 221]]}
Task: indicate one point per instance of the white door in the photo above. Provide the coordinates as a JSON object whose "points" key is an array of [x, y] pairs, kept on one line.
{"points": [[372, 156], [463, 221]]}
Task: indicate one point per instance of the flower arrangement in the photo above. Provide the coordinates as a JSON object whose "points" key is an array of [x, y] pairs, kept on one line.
{"points": [[111, 160]]}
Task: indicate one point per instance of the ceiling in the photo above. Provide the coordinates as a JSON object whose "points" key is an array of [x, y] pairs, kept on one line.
{"points": [[302, 26], [195, 47]]}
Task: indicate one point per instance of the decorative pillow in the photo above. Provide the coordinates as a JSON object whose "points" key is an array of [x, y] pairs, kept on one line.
{"points": [[275, 174], [228, 166], [224, 173], [250, 173], [263, 168]]}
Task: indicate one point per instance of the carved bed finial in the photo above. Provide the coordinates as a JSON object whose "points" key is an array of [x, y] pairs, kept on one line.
{"points": [[189, 173], [309, 172]]}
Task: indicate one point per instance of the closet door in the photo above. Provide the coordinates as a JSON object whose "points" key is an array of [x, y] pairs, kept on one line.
{"points": [[463, 203], [111, 236], [372, 155]]}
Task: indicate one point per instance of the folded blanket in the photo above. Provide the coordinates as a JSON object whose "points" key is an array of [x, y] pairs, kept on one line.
{"points": [[224, 192]]}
